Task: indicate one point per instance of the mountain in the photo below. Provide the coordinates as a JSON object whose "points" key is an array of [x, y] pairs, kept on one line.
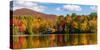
{"points": [[29, 12]]}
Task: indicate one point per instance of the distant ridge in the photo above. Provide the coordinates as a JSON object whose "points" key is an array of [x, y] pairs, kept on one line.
{"points": [[29, 12]]}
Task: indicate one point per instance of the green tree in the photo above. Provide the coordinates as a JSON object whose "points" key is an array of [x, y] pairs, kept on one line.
{"points": [[74, 15], [92, 15]]}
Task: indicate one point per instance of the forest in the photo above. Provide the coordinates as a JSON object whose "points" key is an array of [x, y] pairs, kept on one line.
{"points": [[61, 25]]}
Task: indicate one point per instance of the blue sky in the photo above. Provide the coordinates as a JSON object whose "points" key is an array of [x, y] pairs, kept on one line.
{"points": [[55, 8]]}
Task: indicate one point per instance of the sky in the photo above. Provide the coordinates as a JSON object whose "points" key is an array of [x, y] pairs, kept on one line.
{"points": [[55, 8]]}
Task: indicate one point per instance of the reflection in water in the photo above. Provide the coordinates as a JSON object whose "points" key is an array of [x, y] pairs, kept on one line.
{"points": [[53, 40]]}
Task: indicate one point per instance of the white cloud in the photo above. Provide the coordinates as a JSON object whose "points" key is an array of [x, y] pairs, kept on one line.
{"points": [[29, 5], [38, 8], [94, 8], [26, 3], [72, 7], [58, 8], [14, 8]]}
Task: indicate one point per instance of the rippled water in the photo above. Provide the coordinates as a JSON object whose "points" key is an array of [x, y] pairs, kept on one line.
{"points": [[52, 40]]}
